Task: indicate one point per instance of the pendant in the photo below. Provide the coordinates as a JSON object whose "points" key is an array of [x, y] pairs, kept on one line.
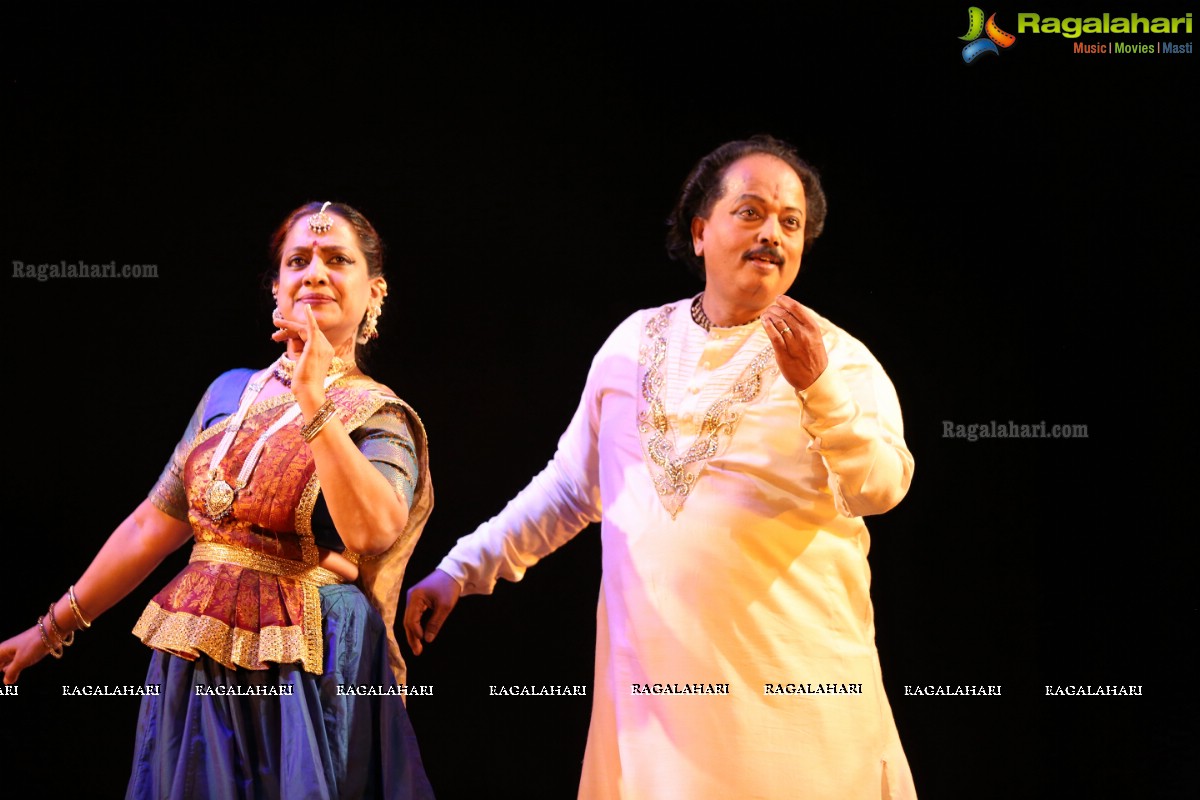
{"points": [[218, 499]]}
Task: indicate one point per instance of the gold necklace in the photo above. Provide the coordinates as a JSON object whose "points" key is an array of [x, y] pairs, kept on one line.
{"points": [[219, 496], [285, 368]]}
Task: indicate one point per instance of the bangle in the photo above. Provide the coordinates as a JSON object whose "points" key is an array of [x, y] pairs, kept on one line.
{"points": [[75, 607], [67, 640], [46, 640], [323, 415]]}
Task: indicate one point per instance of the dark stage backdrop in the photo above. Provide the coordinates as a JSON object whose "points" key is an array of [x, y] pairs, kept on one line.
{"points": [[1012, 238]]}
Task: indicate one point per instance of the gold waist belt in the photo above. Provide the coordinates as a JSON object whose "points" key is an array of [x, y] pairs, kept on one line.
{"points": [[284, 568]]}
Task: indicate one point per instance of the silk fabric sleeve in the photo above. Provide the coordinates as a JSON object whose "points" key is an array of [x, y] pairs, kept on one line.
{"points": [[853, 416], [220, 400], [386, 440], [169, 495]]}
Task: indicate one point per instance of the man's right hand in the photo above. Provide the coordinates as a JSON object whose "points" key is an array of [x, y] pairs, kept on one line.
{"points": [[436, 595]]}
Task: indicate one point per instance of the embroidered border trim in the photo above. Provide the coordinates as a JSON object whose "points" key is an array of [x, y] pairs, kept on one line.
{"points": [[673, 475]]}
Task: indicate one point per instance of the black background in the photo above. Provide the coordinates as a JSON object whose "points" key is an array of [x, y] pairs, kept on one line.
{"points": [[1012, 238]]}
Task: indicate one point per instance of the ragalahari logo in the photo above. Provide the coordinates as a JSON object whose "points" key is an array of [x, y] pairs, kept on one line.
{"points": [[976, 27]]}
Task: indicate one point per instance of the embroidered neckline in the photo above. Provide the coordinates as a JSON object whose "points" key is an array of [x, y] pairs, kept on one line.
{"points": [[675, 476]]}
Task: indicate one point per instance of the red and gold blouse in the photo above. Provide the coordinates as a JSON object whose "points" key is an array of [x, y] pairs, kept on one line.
{"points": [[249, 595]]}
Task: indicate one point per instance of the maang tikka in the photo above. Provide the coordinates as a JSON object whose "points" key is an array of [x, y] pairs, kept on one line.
{"points": [[321, 222]]}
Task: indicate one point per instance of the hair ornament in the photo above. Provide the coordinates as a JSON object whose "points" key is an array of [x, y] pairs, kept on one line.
{"points": [[321, 222]]}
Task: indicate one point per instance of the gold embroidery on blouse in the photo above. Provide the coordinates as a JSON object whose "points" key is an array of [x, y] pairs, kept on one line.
{"points": [[159, 500], [310, 556], [260, 562], [219, 427], [308, 575], [365, 411], [304, 512], [257, 408], [304, 644], [187, 636], [673, 480]]}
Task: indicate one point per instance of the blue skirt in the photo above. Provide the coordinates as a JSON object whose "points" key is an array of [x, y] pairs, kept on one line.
{"points": [[314, 743]]}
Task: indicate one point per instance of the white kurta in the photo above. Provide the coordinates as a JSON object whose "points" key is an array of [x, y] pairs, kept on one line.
{"points": [[759, 582]]}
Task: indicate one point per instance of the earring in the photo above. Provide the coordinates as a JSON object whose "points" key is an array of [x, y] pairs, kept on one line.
{"points": [[369, 330]]}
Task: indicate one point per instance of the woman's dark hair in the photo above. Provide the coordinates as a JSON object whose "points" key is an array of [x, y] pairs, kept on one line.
{"points": [[368, 239], [705, 185]]}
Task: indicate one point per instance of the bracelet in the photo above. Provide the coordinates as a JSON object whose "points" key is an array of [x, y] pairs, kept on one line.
{"points": [[75, 607], [66, 641], [323, 415], [46, 640]]}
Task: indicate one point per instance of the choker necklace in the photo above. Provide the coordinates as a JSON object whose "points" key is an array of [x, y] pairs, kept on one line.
{"points": [[218, 497], [285, 368], [701, 319]]}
